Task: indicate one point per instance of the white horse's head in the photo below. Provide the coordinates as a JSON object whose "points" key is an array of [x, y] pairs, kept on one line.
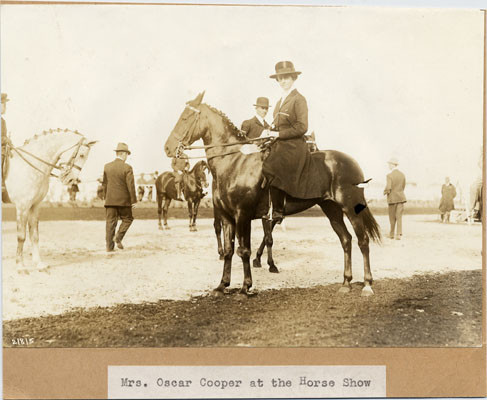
{"points": [[71, 168]]}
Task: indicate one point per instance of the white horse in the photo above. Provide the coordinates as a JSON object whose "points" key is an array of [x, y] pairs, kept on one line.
{"points": [[27, 179]]}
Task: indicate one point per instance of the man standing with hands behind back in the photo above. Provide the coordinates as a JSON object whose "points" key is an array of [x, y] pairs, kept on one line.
{"points": [[396, 182], [119, 192]]}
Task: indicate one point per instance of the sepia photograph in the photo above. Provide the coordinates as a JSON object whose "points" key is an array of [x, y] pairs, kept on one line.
{"points": [[291, 180], [280, 176]]}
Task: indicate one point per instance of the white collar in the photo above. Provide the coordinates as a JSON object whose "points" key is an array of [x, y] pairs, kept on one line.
{"points": [[261, 120]]}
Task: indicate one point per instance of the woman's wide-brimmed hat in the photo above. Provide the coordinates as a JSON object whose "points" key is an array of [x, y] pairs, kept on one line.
{"points": [[284, 68], [393, 160], [5, 98], [122, 147], [262, 102]]}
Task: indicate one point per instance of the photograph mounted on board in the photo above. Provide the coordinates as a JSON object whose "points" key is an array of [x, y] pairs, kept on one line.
{"points": [[345, 144]]}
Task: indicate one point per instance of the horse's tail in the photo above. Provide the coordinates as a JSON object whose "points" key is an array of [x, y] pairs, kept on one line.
{"points": [[372, 228]]}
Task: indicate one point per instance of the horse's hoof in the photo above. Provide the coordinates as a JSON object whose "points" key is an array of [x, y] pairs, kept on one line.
{"points": [[166, 227], [242, 296], [367, 291], [222, 257], [256, 263], [161, 228], [344, 290], [273, 269], [41, 266], [217, 293]]}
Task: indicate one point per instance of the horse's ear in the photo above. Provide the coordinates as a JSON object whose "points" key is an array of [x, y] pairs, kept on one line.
{"points": [[199, 98]]}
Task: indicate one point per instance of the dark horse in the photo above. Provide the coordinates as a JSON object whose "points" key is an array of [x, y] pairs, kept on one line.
{"points": [[194, 183], [239, 197]]}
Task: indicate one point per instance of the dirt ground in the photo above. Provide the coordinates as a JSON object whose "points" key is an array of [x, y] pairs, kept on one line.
{"points": [[432, 310], [178, 265]]}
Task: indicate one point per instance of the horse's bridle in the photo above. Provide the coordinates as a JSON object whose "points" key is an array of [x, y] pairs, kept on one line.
{"points": [[183, 142], [65, 168]]}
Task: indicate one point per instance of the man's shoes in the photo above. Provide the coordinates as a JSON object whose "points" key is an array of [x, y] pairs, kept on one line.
{"points": [[119, 244], [391, 236]]}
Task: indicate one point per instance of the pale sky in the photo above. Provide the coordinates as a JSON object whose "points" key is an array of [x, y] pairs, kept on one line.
{"points": [[379, 82]]}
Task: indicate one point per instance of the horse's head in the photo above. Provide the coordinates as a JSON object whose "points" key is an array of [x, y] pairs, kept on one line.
{"points": [[188, 129], [201, 171], [71, 168]]}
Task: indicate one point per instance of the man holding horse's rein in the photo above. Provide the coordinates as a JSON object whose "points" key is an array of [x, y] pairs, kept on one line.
{"points": [[5, 198], [119, 192], [180, 165]]}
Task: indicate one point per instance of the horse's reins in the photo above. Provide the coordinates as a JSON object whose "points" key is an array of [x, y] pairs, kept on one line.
{"points": [[181, 146], [70, 164]]}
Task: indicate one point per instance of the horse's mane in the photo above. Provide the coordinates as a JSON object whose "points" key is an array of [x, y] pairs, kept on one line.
{"points": [[50, 131], [228, 123]]}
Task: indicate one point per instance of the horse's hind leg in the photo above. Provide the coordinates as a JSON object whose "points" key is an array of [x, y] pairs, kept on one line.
{"points": [[229, 246], [34, 237], [363, 244], [267, 241], [159, 209], [21, 228], [335, 215]]}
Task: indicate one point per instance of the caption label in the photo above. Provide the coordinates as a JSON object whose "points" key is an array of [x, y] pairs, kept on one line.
{"points": [[181, 382]]}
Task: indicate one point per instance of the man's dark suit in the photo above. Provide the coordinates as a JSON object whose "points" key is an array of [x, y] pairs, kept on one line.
{"points": [[253, 127], [119, 191]]}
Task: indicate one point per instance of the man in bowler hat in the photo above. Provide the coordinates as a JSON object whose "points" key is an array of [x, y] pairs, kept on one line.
{"points": [[396, 182], [255, 126], [119, 192]]}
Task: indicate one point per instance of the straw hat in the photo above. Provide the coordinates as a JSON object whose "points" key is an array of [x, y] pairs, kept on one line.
{"points": [[393, 160]]}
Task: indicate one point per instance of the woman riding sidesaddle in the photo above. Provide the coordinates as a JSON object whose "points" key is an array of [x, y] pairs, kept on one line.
{"points": [[289, 166]]}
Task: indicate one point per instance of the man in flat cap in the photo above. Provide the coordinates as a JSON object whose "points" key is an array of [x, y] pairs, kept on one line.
{"points": [[119, 193], [396, 182], [254, 127]]}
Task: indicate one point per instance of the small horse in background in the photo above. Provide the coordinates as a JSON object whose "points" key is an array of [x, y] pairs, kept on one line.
{"points": [[27, 179], [194, 183]]}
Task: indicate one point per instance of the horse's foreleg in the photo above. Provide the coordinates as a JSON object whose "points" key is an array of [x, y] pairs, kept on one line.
{"points": [[217, 225], [34, 237], [229, 245], [196, 206], [243, 236], [165, 208], [190, 215], [335, 215], [363, 244], [21, 228]]}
